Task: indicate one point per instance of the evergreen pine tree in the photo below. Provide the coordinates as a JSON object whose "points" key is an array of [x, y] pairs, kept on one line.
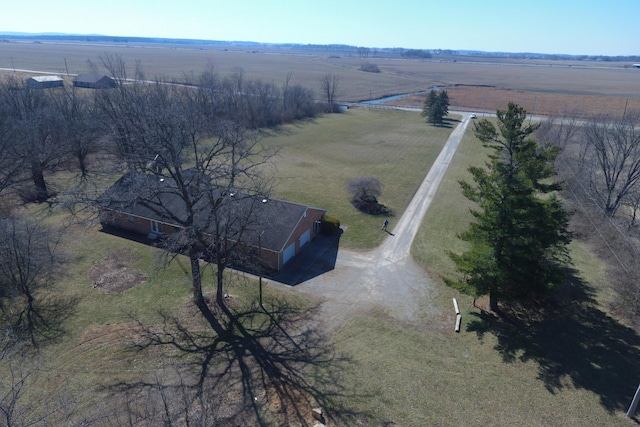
{"points": [[519, 237], [436, 106]]}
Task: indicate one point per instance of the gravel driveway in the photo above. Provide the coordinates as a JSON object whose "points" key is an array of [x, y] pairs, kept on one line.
{"points": [[385, 278]]}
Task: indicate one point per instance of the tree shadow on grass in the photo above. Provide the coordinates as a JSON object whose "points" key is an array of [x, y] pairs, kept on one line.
{"points": [[274, 375], [41, 323], [447, 122], [573, 342], [53, 314]]}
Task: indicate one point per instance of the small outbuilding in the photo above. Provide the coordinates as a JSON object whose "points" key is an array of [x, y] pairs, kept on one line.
{"points": [[94, 81], [44, 82]]}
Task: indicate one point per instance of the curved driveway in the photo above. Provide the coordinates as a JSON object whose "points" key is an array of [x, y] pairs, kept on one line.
{"points": [[385, 278]]}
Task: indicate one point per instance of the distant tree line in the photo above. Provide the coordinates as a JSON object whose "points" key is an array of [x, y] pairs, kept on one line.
{"points": [[416, 53], [47, 130]]}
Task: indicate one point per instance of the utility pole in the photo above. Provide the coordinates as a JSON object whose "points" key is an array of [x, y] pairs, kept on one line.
{"points": [[259, 266]]}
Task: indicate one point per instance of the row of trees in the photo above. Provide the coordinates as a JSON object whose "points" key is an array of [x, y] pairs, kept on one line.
{"points": [[43, 131], [600, 162], [197, 145]]}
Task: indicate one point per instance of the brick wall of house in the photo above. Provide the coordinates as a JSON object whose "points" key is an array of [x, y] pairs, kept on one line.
{"points": [[305, 224], [269, 258], [125, 222]]}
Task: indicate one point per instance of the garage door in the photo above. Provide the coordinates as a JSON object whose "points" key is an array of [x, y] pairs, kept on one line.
{"points": [[289, 252], [305, 238]]}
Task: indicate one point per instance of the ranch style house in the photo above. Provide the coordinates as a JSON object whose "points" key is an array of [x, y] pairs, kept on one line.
{"points": [[272, 230]]}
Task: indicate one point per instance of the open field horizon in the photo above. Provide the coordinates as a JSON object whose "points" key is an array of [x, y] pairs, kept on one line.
{"points": [[541, 86]]}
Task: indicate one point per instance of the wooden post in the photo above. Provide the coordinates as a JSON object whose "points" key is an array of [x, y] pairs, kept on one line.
{"points": [[634, 403]]}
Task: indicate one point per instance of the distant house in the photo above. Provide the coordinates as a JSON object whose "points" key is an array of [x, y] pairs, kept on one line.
{"points": [[94, 81], [277, 232], [44, 82]]}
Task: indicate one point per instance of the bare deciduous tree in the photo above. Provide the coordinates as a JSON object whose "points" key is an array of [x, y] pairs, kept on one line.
{"points": [[35, 132], [18, 369], [365, 188], [559, 129], [364, 193], [30, 259], [612, 159], [10, 166], [329, 86], [207, 179], [80, 130]]}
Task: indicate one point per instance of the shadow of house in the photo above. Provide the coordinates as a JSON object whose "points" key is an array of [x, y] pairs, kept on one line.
{"points": [[265, 233], [94, 81], [315, 259], [44, 82]]}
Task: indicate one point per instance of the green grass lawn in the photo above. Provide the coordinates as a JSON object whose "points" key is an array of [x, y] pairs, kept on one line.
{"points": [[319, 158]]}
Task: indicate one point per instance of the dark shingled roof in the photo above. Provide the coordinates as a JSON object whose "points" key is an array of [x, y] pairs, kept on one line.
{"points": [[271, 222], [89, 77]]}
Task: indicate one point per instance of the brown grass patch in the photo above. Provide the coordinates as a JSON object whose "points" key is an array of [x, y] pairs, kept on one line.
{"points": [[489, 99], [114, 274], [298, 405]]}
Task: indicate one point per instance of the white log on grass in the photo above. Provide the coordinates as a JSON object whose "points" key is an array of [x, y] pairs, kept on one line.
{"points": [[458, 320], [634, 403]]}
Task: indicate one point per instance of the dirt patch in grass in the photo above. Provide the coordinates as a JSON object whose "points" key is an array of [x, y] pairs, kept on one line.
{"points": [[114, 274], [489, 99]]}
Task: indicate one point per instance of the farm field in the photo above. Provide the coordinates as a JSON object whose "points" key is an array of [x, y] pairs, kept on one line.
{"points": [[536, 84], [568, 366]]}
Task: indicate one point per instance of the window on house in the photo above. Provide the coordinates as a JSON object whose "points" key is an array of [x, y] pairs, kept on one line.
{"points": [[155, 227]]}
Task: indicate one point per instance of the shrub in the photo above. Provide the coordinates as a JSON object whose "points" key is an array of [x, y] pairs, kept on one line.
{"points": [[369, 68], [370, 206], [364, 192], [329, 225]]}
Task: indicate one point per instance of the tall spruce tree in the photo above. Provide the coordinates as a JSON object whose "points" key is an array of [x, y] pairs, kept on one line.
{"points": [[436, 106], [517, 243]]}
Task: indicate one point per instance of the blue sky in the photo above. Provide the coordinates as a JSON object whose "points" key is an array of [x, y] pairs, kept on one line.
{"points": [[591, 27]]}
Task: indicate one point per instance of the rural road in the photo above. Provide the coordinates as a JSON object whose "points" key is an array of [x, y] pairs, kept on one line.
{"points": [[385, 278]]}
